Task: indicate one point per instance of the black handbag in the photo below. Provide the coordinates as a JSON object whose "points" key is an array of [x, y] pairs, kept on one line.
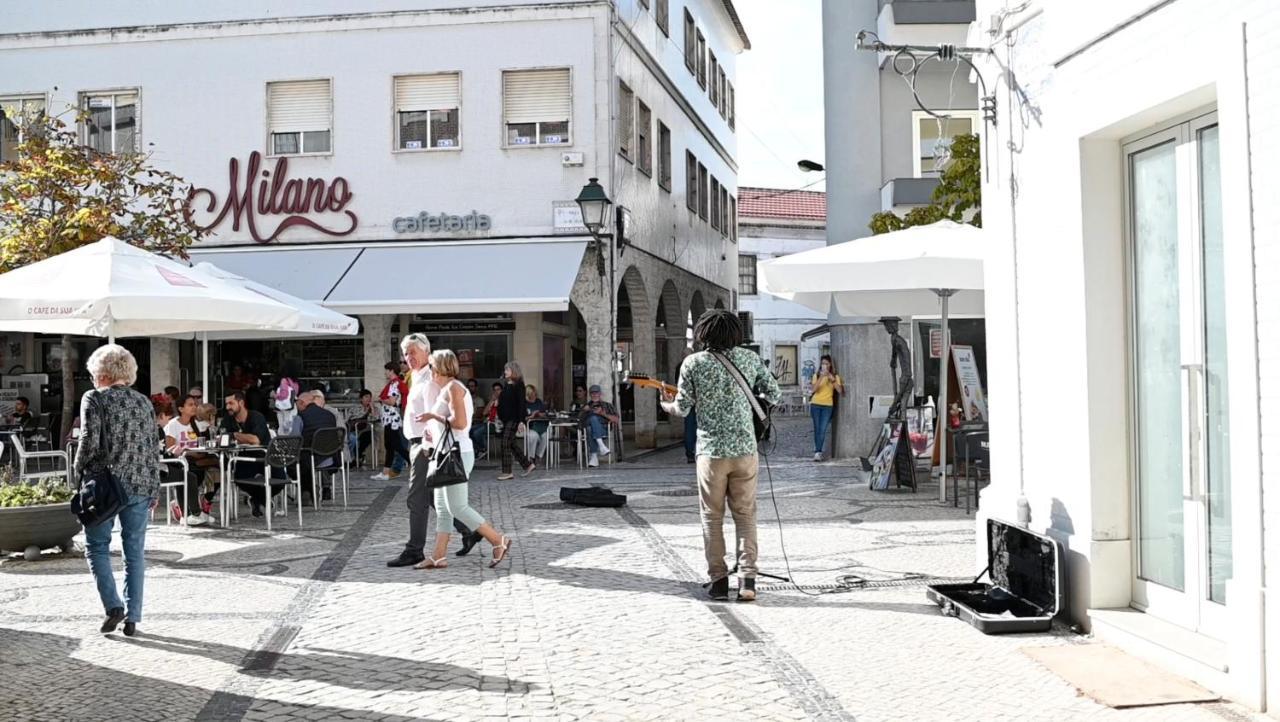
{"points": [[447, 468], [101, 495]]}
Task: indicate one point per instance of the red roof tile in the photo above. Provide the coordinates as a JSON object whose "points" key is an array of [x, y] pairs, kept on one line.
{"points": [[782, 203]]}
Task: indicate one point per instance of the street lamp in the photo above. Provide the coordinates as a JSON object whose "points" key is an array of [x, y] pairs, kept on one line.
{"points": [[595, 204], [809, 166]]}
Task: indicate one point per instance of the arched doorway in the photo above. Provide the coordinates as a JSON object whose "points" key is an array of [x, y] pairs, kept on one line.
{"points": [[635, 339]]}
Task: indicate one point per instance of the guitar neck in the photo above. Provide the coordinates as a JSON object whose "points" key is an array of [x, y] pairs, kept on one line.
{"points": [[647, 383]]}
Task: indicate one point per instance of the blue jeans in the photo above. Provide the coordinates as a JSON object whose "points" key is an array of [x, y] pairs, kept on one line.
{"points": [[821, 420], [133, 533], [691, 434], [597, 427]]}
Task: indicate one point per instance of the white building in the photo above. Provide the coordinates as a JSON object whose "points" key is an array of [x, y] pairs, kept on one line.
{"points": [[884, 153], [1131, 304], [775, 222], [415, 164]]}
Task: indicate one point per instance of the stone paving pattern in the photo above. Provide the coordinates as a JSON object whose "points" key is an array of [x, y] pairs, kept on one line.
{"points": [[599, 616]]}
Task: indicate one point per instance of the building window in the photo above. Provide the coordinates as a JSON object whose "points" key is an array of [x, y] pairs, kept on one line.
{"points": [[723, 103], [111, 125], [931, 138], [702, 60], [536, 106], [644, 138], [691, 181], [713, 68], [746, 275], [300, 117], [427, 111], [14, 112], [723, 207], [733, 219], [664, 157], [730, 99], [626, 120], [715, 203], [660, 17], [703, 198], [690, 44]]}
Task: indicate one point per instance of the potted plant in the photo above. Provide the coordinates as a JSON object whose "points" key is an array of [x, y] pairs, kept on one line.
{"points": [[35, 516]]}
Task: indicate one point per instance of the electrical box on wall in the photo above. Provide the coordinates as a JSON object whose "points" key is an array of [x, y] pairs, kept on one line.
{"points": [[571, 159]]}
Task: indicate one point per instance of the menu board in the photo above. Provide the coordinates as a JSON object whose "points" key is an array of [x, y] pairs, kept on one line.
{"points": [[972, 398]]}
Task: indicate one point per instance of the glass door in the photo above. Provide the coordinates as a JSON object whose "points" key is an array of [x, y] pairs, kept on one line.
{"points": [[1179, 376]]}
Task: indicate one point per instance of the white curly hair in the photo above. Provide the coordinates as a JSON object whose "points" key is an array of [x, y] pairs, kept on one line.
{"points": [[113, 363]]}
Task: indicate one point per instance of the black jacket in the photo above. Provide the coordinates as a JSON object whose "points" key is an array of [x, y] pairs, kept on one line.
{"points": [[511, 403]]}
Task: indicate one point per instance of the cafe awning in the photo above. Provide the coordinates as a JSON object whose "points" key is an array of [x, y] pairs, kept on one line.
{"points": [[509, 276]]}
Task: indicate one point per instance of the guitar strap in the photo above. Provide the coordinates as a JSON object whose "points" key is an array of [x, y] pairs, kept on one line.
{"points": [[732, 368]]}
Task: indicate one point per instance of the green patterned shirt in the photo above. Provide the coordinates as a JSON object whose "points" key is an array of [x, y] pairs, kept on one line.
{"points": [[725, 429]]}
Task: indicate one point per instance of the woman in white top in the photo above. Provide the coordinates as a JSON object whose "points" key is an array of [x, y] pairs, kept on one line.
{"points": [[455, 407], [182, 433]]}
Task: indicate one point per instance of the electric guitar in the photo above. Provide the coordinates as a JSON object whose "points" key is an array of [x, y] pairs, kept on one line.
{"points": [[645, 381]]}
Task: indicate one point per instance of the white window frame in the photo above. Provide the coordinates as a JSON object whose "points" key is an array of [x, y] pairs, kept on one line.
{"points": [[20, 98], [626, 122], [302, 143], [502, 111], [82, 103], [395, 114], [644, 138], [918, 115], [663, 159], [755, 291]]}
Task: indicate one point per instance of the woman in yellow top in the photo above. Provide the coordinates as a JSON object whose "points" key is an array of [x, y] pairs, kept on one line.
{"points": [[826, 384]]}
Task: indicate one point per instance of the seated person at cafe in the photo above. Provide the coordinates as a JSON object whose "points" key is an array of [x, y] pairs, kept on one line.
{"points": [[22, 413], [317, 398], [312, 417], [580, 399], [182, 434], [595, 417], [249, 428], [360, 425], [485, 414], [536, 425]]}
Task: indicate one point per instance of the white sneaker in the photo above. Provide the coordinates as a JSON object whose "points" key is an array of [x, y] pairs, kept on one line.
{"points": [[593, 460], [817, 456], [380, 476], [198, 519], [279, 511], [604, 450]]}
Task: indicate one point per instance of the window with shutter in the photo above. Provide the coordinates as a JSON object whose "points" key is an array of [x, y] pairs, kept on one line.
{"points": [[660, 13], [300, 117], [428, 111], [664, 157], [691, 181], [14, 115], [729, 88], [644, 139], [721, 102], [733, 219], [713, 92], [626, 120], [714, 202], [690, 43], [702, 192], [723, 208], [537, 106], [111, 121], [702, 59], [746, 274]]}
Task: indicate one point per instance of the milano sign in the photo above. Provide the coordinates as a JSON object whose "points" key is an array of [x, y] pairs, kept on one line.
{"points": [[268, 202]]}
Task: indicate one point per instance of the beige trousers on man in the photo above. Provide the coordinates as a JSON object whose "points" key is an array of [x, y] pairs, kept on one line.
{"points": [[733, 481]]}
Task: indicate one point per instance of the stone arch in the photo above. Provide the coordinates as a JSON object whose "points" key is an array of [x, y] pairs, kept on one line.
{"points": [[669, 332], [635, 308], [719, 304]]}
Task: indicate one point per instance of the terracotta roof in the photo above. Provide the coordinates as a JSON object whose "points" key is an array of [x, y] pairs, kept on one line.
{"points": [[782, 203]]}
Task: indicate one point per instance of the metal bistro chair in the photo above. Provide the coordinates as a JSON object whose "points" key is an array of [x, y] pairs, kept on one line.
{"points": [[363, 429], [614, 437], [328, 444], [977, 464], [170, 487], [37, 459], [282, 453]]}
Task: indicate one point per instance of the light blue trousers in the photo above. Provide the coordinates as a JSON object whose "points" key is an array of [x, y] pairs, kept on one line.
{"points": [[451, 502]]}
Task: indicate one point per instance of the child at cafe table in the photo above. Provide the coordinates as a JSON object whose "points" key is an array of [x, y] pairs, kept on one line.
{"points": [[249, 428], [180, 434]]}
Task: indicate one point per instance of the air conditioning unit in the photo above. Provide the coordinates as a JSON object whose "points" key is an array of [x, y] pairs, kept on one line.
{"points": [[746, 319]]}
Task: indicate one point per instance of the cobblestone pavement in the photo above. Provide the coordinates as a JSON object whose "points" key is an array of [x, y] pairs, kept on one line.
{"points": [[598, 616]]}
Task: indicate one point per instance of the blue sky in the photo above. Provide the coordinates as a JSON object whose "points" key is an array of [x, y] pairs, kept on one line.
{"points": [[779, 92]]}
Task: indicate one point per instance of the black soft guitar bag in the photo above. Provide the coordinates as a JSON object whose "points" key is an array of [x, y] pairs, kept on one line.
{"points": [[592, 496]]}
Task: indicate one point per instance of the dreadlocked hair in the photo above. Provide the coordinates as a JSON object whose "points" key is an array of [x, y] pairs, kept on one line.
{"points": [[718, 330]]}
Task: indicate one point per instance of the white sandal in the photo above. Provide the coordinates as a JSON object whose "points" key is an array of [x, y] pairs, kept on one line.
{"points": [[505, 548], [440, 563]]}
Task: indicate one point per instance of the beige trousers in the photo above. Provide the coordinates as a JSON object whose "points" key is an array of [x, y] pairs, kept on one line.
{"points": [[733, 481]]}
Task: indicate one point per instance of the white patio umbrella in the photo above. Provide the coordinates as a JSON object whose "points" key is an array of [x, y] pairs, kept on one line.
{"points": [[312, 318], [110, 288], [916, 271]]}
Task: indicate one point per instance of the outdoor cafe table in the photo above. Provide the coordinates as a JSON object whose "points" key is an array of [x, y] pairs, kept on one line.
{"points": [[562, 429], [224, 473]]}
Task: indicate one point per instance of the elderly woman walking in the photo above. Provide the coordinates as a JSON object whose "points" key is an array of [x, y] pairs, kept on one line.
{"points": [[119, 434], [454, 407], [512, 413]]}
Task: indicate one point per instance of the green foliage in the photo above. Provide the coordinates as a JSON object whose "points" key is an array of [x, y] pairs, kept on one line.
{"points": [[48, 490], [57, 195], [958, 196]]}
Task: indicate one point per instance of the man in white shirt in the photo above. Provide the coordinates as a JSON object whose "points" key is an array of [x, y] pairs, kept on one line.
{"points": [[423, 392]]}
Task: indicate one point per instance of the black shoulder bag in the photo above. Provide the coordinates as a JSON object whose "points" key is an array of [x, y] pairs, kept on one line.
{"points": [[447, 468], [760, 407], [101, 495]]}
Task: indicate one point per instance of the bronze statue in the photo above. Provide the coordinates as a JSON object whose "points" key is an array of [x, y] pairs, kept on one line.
{"points": [[899, 358]]}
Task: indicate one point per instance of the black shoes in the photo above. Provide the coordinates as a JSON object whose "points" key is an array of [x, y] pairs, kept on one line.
{"points": [[747, 590], [114, 617], [255, 508], [406, 559], [130, 629], [719, 590], [690, 459], [469, 541]]}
